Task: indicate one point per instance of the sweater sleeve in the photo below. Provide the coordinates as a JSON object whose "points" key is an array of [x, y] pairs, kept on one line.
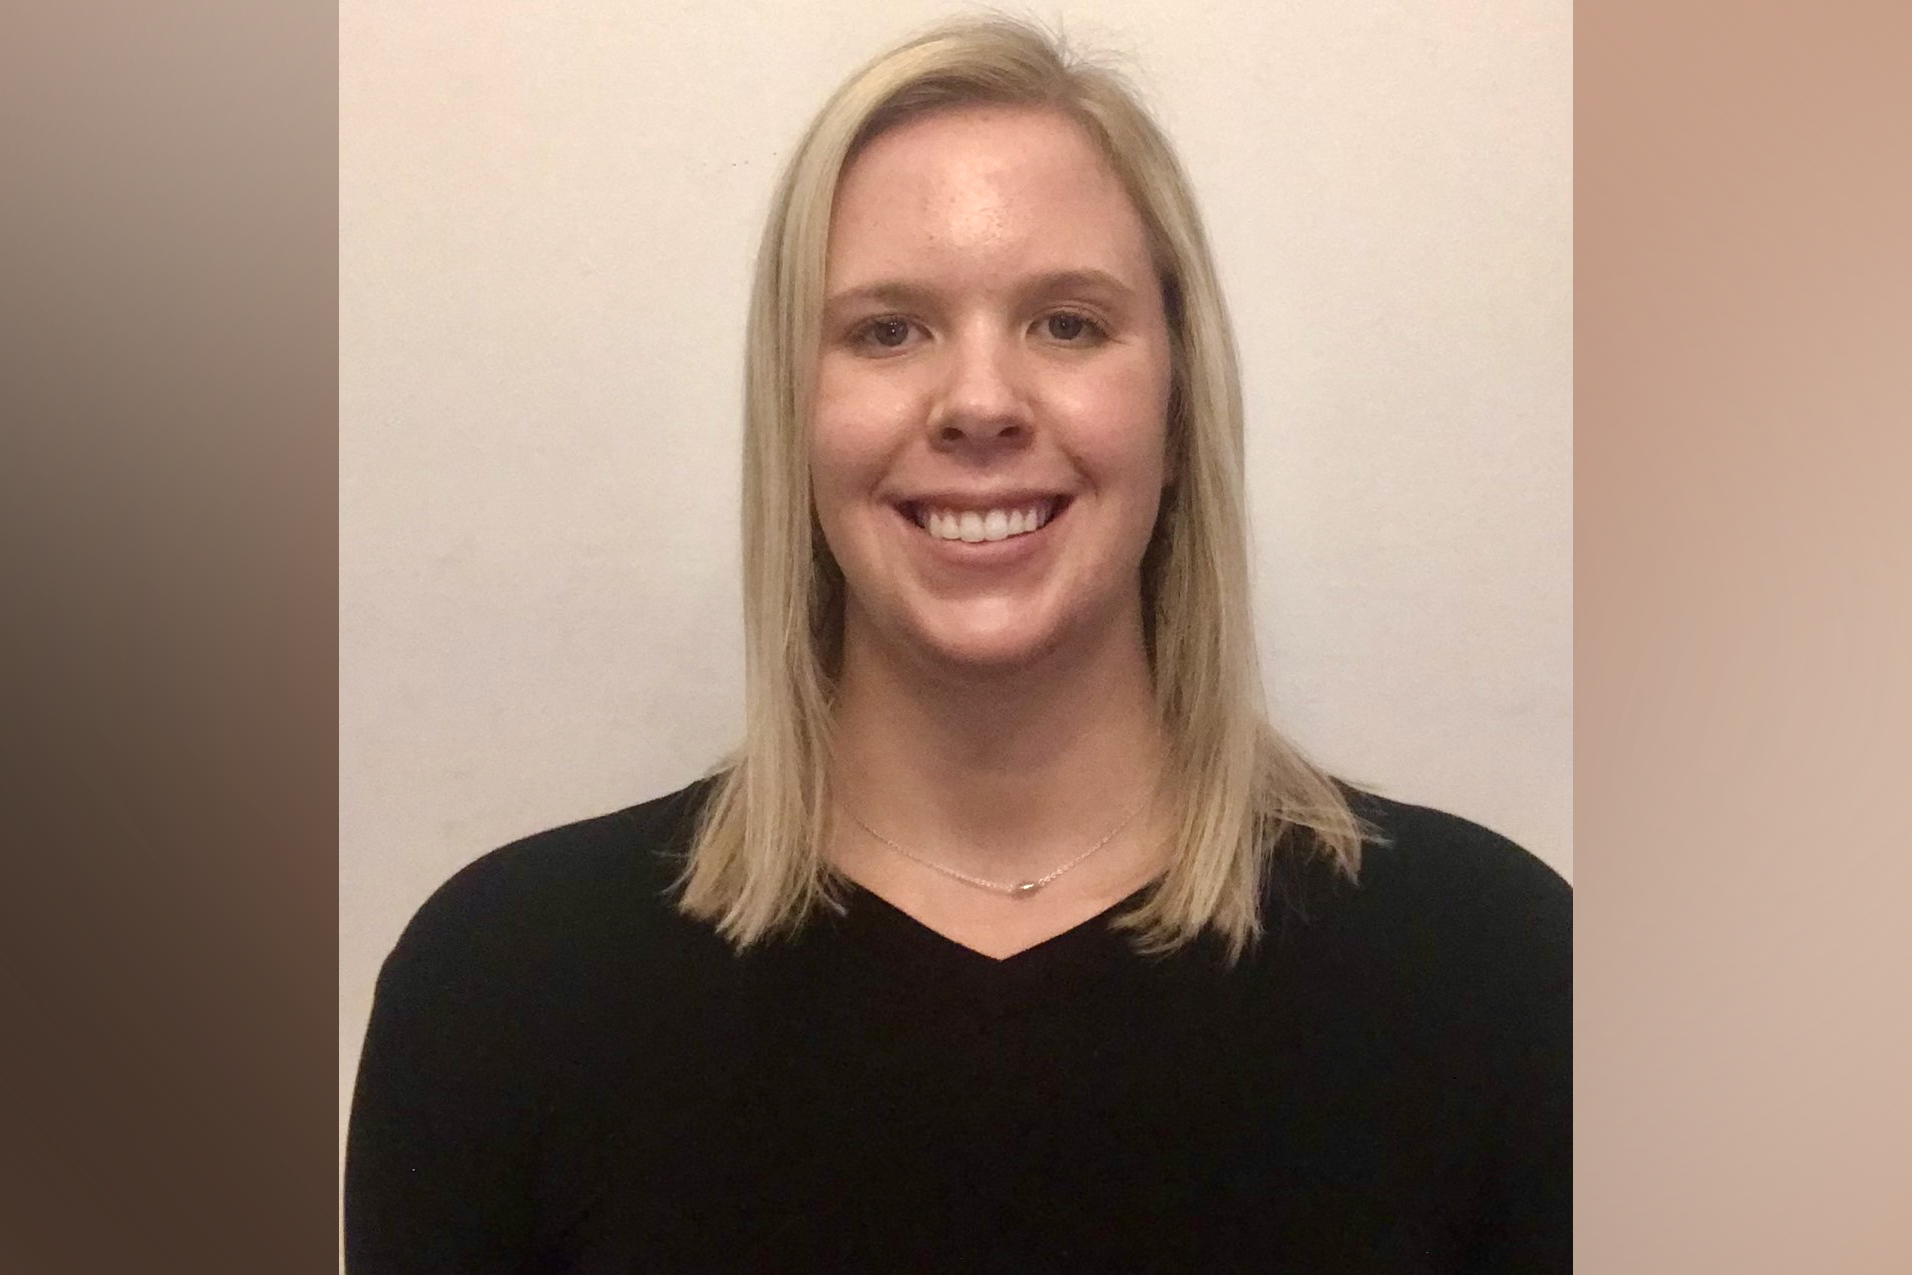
{"points": [[441, 1142]]}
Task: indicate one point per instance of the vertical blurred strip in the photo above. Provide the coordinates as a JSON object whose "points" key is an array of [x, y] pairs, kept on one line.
{"points": [[168, 566], [1744, 551]]}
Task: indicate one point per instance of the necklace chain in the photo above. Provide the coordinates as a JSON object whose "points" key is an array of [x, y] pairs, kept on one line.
{"points": [[1018, 890]]}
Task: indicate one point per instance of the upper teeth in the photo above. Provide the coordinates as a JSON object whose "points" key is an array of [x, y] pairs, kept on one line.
{"points": [[980, 524]]}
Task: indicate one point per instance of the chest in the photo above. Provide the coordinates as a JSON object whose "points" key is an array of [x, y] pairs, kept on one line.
{"points": [[1155, 1123]]}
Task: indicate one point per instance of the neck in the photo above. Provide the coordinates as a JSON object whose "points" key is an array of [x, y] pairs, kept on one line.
{"points": [[999, 772]]}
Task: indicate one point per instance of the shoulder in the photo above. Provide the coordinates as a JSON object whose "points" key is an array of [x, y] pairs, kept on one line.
{"points": [[500, 984], [1428, 856], [562, 897], [1451, 961], [1442, 897]]}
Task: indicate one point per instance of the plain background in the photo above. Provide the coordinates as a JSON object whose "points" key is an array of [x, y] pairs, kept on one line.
{"points": [[547, 222]]}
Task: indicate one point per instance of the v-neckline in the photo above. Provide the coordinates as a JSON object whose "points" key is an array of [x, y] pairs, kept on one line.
{"points": [[933, 965]]}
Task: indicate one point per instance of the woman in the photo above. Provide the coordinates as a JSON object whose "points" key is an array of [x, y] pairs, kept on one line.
{"points": [[1012, 938]]}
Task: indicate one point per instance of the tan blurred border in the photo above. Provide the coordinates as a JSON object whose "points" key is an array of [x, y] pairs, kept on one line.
{"points": [[1742, 347], [169, 538], [169, 548]]}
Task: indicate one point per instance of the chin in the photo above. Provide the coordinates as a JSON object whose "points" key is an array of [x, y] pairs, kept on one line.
{"points": [[988, 648], [979, 659]]}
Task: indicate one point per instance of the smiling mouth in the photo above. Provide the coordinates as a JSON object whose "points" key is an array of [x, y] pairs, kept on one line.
{"points": [[975, 525]]}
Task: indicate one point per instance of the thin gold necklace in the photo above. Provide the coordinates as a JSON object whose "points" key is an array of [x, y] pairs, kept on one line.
{"points": [[1017, 890]]}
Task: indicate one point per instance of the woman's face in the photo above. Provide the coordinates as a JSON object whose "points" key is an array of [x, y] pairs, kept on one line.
{"points": [[989, 434]]}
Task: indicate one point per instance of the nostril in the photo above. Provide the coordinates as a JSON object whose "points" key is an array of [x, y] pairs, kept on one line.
{"points": [[969, 429]]}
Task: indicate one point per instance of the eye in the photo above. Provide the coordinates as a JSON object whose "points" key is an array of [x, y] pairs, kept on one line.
{"points": [[887, 333], [1071, 328]]}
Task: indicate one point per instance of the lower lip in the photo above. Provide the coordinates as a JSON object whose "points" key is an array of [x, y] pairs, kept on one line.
{"points": [[1008, 551]]}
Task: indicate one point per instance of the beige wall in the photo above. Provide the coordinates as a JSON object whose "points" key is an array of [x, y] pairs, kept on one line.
{"points": [[547, 215]]}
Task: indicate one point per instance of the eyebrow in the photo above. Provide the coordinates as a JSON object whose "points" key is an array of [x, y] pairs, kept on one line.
{"points": [[1085, 280], [889, 292], [904, 294]]}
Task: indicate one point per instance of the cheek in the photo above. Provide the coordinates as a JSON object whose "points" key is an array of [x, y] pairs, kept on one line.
{"points": [[855, 431], [837, 447], [1122, 429], [834, 479]]}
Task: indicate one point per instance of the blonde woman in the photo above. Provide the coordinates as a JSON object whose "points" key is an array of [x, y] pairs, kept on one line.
{"points": [[1012, 937]]}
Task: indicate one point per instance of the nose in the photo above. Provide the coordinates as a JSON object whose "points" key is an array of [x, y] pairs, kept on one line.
{"points": [[982, 401]]}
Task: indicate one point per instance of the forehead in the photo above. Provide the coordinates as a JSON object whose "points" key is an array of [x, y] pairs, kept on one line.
{"points": [[981, 190]]}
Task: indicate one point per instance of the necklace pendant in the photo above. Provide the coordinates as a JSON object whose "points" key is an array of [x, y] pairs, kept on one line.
{"points": [[1025, 889]]}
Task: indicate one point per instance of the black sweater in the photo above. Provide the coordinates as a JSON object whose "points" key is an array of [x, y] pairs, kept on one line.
{"points": [[564, 1074]]}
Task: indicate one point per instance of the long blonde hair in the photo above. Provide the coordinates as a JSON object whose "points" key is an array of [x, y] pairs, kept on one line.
{"points": [[1240, 793]]}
